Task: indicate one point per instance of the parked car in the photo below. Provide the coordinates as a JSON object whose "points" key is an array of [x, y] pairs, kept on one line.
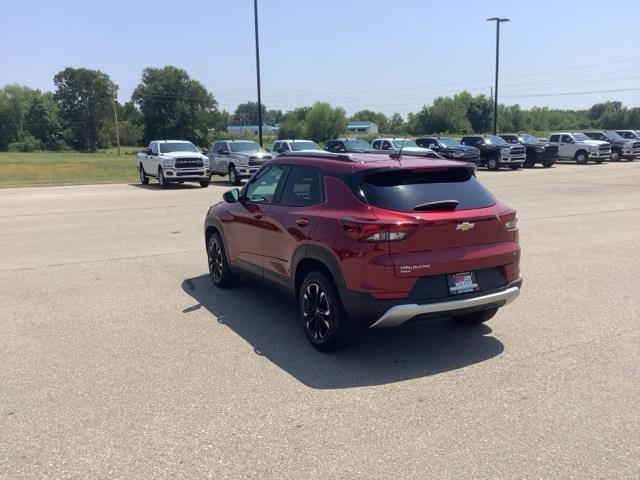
{"points": [[365, 240], [237, 158], [281, 146], [395, 144], [579, 147], [347, 145], [173, 161], [629, 134], [535, 150], [620, 147], [450, 148], [495, 152]]}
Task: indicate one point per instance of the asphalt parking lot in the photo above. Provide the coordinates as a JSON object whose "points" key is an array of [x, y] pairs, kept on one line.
{"points": [[119, 359]]}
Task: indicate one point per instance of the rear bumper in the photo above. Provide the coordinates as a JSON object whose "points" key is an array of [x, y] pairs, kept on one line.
{"points": [[401, 313]]}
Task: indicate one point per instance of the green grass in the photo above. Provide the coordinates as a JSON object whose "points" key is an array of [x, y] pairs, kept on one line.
{"points": [[67, 168]]}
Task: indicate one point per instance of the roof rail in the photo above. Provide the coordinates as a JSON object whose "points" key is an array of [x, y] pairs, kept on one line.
{"points": [[319, 154]]}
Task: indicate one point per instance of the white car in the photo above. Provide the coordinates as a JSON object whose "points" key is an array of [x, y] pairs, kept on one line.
{"points": [[282, 146], [173, 161], [579, 147], [395, 144]]}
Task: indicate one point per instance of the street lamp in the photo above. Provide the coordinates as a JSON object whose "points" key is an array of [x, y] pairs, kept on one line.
{"points": [[255, 17], [495, 98]]}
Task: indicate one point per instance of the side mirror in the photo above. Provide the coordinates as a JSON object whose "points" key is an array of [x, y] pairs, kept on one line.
{"points": [[147, 151], [231, 196], [205, 151], [220, 151], [571, 140], [279, 150]]}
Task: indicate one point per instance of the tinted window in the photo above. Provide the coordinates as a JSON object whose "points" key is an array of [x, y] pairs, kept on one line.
{"points": [[154, 148], [336, 147], [472, 141], [298, 146], [169, 147], [403, 190], [386, 145], [566, 138], [303, 187], [554, 138], [263, 186], [358, 144], [244, 147], [510, 138], [376, 144]]}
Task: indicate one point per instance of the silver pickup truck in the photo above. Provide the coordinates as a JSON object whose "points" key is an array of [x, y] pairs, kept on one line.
{"points": [[173, 161], [237, 158]]}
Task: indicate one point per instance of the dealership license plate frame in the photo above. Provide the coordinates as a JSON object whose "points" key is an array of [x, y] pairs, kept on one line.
{"points": [[464, 282]]}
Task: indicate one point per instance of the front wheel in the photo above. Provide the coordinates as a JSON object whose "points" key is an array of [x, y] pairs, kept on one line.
{"points": [[515, 167], [493, 164], [582, 158], [476, 317], [221, 274], [547, 164], [161, 180], [325, 322], [205, 183], [144, 180], [234, 177], [615, 156]]}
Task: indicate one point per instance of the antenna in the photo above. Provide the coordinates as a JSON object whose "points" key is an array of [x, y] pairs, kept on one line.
{"points": [[401, 147]]}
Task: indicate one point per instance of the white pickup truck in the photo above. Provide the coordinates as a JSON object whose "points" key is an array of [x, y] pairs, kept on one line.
{"points": [[579, 147], [173, 161]]}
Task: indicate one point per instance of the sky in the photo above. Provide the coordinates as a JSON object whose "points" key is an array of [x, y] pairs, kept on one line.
{"points": [[380, 55]]}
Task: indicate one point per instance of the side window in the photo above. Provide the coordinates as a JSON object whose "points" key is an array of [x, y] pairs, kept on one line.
{"points": [[154, 148], [215, 147], [275, 146], [376, 145], [303, 187], [565, 138], [263, 187], [471, 141], [285, 146], [554, 138], [386, 145]]}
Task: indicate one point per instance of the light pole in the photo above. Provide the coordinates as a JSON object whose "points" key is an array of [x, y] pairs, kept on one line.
{"points": [[255, 16], [495, 98]]}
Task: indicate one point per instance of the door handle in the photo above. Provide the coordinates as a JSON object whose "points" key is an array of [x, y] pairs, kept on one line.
{"points": [[258, 215], [303, 222]]}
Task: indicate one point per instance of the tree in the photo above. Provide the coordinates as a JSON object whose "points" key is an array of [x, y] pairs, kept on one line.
{"points": [[173, 105], [85, 98], [396, 124], [324, 122], [247, 114], [43, 121], [15, 101], [273, 117]]}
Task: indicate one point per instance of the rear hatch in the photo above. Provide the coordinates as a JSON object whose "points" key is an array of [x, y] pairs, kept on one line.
{"points": [[455, 224]]}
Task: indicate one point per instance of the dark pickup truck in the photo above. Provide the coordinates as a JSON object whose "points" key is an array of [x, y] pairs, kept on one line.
{"points": [[450, 148], [495, 152], [620, 147], [536, 151]]}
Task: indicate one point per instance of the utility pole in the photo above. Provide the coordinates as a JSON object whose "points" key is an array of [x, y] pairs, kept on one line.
{"points": [[255, 17], [495, 97], [115, 118]]}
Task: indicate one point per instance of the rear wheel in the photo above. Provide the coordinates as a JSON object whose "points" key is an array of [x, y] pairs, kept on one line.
{"points": [[476, 317], [493, 164], [615, 156], [144, 180], [581, 157], [219, 270], [324, 320], [234, 177]]}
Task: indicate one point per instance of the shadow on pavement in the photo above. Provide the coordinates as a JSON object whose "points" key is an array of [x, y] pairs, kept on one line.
{"points": [[172, 186], [268, 321]]}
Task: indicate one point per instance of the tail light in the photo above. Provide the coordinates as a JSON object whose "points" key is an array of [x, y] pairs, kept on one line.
{"points": [[376, 231], [510, 221]]}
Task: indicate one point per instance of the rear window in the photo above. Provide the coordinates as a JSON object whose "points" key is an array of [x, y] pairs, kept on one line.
{"points": [[404, 190]]}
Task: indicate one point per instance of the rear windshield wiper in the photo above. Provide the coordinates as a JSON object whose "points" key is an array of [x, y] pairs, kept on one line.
{"points": [[439, 205]]}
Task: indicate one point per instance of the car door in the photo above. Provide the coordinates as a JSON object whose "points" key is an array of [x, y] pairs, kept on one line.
{"points": [[212, 154], [565, 147], [292, 220], [222, 154], [151, 159], [245, 226]]}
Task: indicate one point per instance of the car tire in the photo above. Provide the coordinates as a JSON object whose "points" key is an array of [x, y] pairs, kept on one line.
{"points": [[599, 160], [323, 318], [474, 318], [615, 156], [234, 177], [515, 167], [219, 271], [144, 180], [581, 157], [493, 164], [547, 164], [205, 183], [162, 182]]}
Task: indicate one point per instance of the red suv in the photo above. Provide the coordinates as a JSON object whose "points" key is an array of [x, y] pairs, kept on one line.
{"points": [[368, 240]]}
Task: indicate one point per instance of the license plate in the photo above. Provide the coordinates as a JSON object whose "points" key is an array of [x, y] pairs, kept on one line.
{"points": [[463, 283]]}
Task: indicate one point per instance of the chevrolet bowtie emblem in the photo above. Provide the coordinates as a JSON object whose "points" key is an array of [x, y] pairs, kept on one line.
{"points": [[464, 226]]}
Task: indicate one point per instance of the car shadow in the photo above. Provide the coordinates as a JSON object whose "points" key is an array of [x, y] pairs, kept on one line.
{"points": [[171, 186], [268, 322]]}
